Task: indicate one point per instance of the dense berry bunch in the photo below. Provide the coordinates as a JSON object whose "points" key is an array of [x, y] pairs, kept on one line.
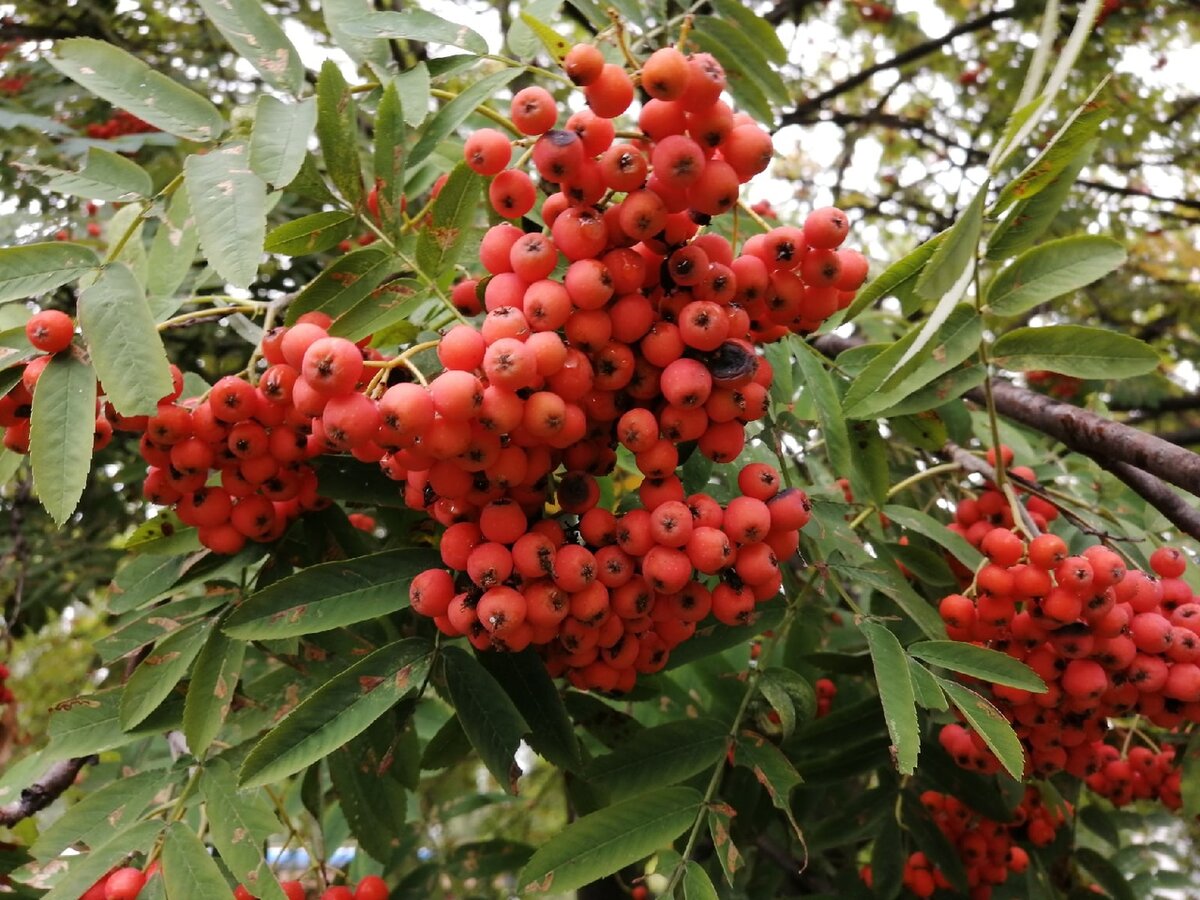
{"points": [[627, 323], [989, 850], [128, 882], [118, 124], [1108, 639]]}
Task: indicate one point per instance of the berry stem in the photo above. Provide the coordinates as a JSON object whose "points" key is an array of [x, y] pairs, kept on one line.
{"points": [[485, 111], [146, 205], [748, 210], [202, 314], [619, 29]]}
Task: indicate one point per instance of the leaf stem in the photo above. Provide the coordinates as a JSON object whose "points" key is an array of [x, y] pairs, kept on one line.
{"points": [[486, 111], [168, 189]]}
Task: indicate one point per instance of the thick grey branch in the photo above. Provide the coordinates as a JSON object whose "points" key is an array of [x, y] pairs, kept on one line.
{"points": [[41, 794]]}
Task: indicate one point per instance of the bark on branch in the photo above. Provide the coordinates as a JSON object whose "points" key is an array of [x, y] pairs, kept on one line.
{"points": [[41, 794]]}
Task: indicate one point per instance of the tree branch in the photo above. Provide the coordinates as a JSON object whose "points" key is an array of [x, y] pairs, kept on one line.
{"points": [[1095, 436], [1139, 459], [912, 54], [41, 794]]}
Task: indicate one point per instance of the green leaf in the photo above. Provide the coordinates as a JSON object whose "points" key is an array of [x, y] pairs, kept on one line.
{"points": [[891, 584], [330, 595], [979, 662], [1107, 875], [172, 253], [140, 580], [124, 343], [412, 88], [955, 253], [991, 725], [925, 687], [832, 419], [370, 797], [454, 113], [391, 136], [343, 284], [896, 694], [105, 176], [900, 371], [696, 883], [606, 841], [210, 691], [37, 268], [1189, 787], [662, 755], [258, 38], [1029, 219], [312, 233], [489, 718], [1075, 350], [230, 205], [730, 858], [338, 15], [127, 82], [531, 24], [440, 243], [1052, 270], [386, 313], [898, 274], [187, 870], [279, 139], [416, 25], [85, 725], [156, 675], [61, 431], [337, 131], [887, 860], [525, 679], [790, 695], [1075, 134], [84, 871], [337, 711], [240, 823], [773, 770], [93, 819], [755, 27], [927, 525], [870, 461]]}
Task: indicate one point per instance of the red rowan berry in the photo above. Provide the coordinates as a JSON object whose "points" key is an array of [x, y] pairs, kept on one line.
{"points": [[50, 330]]}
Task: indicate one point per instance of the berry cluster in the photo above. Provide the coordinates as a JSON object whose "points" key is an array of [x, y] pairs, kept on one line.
{"points": [[50, 331], [1107, 639], [988, 849], [6, 694], [826, 691], [625, 323], [1064, 387], [126, 883], [118, 124], [1141, 774]]}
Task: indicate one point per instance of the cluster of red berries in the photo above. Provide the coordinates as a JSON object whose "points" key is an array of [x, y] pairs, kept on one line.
{"points": [[1107, 639], [634, 207], [118, 124], [826, 691], [1141, 774], [126, 883], [647, 341], [50, 331], [1064, 387], [988, 849], [6, 694]]}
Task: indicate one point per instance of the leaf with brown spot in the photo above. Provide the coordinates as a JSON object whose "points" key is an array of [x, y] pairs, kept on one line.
{"points": [[153, 680], [210, 691], [336, 712]]}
